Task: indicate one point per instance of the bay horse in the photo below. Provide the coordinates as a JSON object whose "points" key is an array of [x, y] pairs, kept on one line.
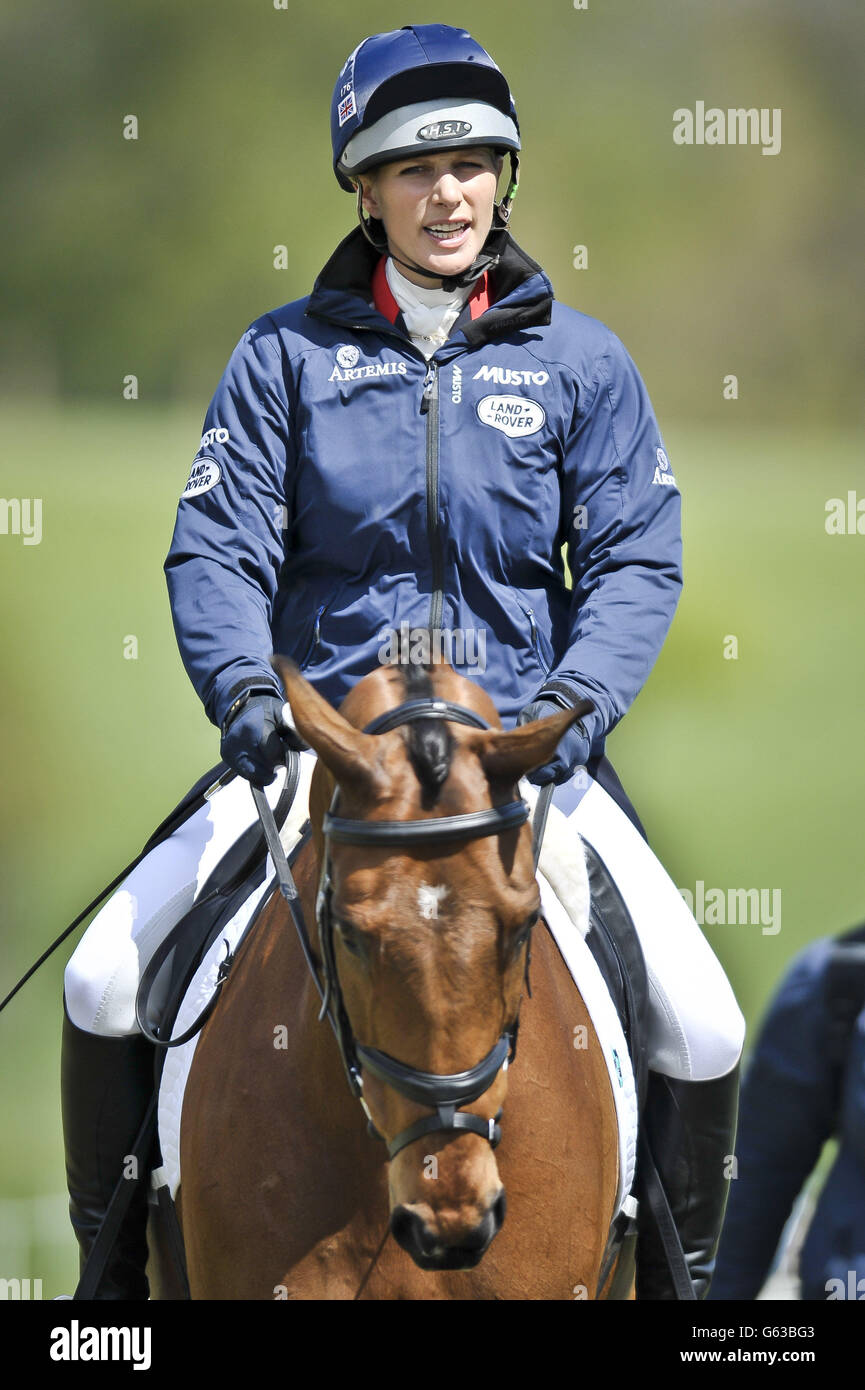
{"points": [[287, 1190]]}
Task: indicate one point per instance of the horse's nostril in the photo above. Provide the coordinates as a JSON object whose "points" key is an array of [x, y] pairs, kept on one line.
{"points": [[480, 1237], [430, 1251], [499, 1209], [406, 1228]]}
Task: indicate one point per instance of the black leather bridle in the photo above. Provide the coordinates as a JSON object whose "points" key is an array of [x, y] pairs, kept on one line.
{"points": [[444, 1093]]}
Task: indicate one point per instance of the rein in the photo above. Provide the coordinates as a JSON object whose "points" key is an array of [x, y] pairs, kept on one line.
{"points": [[444, 1092]]}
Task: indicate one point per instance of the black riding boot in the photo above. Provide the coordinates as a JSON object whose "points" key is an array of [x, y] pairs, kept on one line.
{"points": [[691, 1129], [106, 1084]]}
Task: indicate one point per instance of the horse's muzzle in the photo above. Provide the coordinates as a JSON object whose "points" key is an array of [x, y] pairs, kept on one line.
{"points": [[430, 1252]]}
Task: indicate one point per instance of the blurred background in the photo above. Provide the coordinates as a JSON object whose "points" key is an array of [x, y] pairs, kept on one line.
{"points": [[148, 257]]}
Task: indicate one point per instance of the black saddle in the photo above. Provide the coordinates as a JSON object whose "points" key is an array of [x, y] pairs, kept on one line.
{"points": [[169, 973], [239, 872], [613, 941]]}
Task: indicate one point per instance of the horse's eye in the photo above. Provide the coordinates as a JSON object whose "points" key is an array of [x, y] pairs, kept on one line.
{"points": [[524, 932], [350, 938]]}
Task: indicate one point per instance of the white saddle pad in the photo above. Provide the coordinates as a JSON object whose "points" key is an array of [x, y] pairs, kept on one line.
{"points": [[564, 888]]}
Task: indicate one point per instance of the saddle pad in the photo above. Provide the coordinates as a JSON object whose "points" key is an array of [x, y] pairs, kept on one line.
{"points": [[564, 889]]}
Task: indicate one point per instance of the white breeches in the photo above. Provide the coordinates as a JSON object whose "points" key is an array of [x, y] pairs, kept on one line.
{"points": [[696, 1029]]}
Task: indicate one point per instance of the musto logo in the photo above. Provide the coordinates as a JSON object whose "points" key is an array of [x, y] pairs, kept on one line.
{"points": [[513, 415]]}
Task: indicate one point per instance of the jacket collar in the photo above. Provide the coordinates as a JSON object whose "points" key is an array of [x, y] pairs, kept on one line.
{"points": [[343, 292], [382, 296]]}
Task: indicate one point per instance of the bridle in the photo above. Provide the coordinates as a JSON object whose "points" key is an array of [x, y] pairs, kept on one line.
{"points": [[445, 1093]]}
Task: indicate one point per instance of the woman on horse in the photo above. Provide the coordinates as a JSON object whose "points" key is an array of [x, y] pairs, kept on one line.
{"points": [[409, 448]]}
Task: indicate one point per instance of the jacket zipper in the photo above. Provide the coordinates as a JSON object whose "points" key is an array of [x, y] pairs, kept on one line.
{"points": [[430, 408], [315, 639], [530, 614]]}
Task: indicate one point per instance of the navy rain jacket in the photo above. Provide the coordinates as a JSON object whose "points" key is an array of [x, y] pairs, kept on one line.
{"points": [[344, 487]]}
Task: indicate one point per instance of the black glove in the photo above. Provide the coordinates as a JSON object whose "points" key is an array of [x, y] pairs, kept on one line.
{"points": [[254, 738], [573, 749]]}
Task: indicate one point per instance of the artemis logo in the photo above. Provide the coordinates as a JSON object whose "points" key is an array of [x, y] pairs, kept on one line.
{"points": [[663, 476], [376, 369], [509, 376]]}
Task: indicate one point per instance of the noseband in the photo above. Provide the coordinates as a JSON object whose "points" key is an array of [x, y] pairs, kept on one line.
{"points": [[443, 1092]]}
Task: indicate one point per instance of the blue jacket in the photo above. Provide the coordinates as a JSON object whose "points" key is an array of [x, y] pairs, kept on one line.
{"points": [[799, 1092], [345, 489]]}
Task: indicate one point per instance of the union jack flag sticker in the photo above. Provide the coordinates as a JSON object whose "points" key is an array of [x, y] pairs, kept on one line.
{"points": [[347, 108]]}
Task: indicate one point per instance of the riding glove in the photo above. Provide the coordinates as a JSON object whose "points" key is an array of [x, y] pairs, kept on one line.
{"points": [[254, 738], [574, 746]]}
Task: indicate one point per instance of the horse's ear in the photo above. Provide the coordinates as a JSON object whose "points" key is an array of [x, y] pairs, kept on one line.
{"points": [[511, 753], [353, 757]]}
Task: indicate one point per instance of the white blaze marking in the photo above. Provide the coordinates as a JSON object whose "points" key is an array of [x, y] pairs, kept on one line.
{"points": [[428, 899]]}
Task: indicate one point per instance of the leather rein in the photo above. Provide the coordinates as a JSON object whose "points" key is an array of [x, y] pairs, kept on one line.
{"points": [[444, 1093]]}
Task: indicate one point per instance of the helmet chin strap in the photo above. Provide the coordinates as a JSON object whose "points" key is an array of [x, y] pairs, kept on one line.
{"points": [[490, 254]]}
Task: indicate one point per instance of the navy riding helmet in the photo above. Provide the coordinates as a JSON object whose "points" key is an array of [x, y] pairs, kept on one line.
{"points": [[422, 88]]}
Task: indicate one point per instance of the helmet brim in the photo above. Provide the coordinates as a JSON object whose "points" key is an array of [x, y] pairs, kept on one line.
{"points": [[426, 128]]}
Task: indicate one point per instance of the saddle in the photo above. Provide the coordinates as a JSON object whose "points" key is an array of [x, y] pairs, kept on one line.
{"points": [[613, 941], [163, 986], [174, 963]]}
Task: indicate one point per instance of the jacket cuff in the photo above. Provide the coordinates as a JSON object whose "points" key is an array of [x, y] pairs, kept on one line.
{"points": [[243, 700], [567, 695], [228, 702]]}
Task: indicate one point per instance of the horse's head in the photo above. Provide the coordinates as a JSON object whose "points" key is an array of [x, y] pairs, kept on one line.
{"points": [[427, 940]]}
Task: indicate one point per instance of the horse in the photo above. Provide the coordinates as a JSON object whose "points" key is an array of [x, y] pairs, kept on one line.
{"points": [[424, 918]]}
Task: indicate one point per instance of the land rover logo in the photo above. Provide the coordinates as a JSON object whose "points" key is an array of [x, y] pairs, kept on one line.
{"points": [[513, 415], [204, 475], [443, 130]]}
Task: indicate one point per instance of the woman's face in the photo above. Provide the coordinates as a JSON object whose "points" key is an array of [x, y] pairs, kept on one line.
{"points": [[437, 209]]}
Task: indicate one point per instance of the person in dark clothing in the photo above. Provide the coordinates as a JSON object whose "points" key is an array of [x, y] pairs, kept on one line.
{"points": [[805, 1084]]}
